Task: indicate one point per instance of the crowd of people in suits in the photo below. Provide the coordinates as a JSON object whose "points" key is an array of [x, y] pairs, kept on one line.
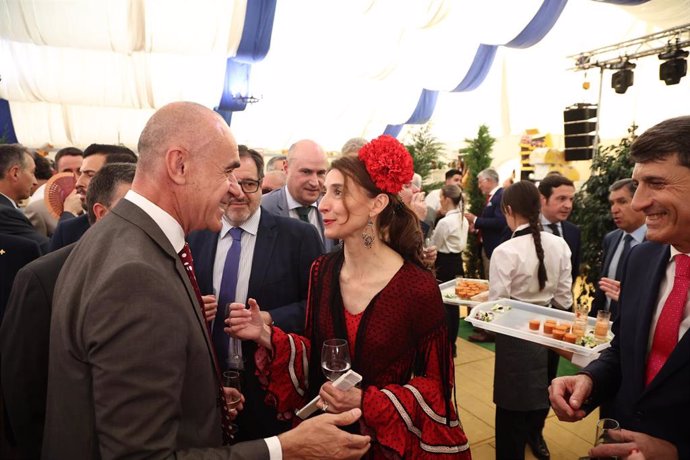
{"points": [[193, 257]]}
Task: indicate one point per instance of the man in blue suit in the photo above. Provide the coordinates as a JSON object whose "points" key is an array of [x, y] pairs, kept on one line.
{"points": [[274, 261], [17, 178], [631, 228], [645, 375], [299, 198], [492, 229], [557, 196], [491, 224]]}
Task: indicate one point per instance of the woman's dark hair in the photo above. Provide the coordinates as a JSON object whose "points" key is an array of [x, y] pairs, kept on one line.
{"points": [[524, 199], [398, 226]]}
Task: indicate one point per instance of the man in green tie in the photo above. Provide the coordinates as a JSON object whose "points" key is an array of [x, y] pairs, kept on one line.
{"points": [[299, 198]]}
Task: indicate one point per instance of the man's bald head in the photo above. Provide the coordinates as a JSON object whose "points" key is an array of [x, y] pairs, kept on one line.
{"points": [[180, 125], [187, 155]]}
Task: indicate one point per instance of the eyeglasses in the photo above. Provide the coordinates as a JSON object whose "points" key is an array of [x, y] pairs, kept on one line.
{"points": [[248, 185]]}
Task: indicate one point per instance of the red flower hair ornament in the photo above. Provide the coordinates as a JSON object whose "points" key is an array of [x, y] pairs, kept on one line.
{"points": [[388, 163]]}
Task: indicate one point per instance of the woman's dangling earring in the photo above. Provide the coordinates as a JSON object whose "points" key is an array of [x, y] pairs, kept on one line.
{"points": [[368, 234]]}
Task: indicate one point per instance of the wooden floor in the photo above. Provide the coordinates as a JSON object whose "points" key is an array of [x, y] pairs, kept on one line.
{"points": [[474, 370]]}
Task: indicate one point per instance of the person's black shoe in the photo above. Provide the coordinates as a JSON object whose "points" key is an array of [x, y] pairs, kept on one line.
{"points": [[482, 336], [540, 449]]}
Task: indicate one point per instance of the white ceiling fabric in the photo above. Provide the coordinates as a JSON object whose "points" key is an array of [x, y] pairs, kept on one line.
{"points": [[86, 71]]}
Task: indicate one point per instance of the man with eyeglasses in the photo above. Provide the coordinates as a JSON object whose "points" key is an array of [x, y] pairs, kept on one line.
{"points": [[272, 262]]}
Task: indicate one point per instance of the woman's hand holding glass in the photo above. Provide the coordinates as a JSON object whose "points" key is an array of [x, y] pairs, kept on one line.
{"points": [[338, 401], [247, 324]]}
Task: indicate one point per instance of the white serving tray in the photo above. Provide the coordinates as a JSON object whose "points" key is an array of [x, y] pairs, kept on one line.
{"points": [[515, 323], [448, 292]]}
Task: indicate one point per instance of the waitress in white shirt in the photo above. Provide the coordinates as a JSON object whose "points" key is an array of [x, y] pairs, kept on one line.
{"points": [[533, 266], [450, 234], [450, 238]]}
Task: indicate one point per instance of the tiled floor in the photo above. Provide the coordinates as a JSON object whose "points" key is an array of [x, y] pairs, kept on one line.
{"points": [[474, 368]]}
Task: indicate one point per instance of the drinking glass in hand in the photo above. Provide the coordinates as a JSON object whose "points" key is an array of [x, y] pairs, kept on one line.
{"points": [[606, 429], [231, 379], [335, 358]]}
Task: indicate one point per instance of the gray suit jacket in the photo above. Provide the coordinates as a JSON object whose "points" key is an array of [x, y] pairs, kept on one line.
{"points": [[39, 216], [276, 203], [130, 372]]}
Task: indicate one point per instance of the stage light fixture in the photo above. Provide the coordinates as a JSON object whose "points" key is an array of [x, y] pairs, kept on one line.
{"points": [[623, 78], [675, 66]]}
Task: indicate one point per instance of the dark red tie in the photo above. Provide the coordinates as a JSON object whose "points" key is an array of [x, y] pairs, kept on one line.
{"points": [[666, 332], [188, 262]]}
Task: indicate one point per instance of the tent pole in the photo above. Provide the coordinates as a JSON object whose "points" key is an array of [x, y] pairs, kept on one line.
{"points": [[595, 147]]}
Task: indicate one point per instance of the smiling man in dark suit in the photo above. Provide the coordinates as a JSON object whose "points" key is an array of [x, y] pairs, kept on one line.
{"points": [[274, 262], [17, 178], [132, 371], [631, 231], [644, 376], [306, 172]]}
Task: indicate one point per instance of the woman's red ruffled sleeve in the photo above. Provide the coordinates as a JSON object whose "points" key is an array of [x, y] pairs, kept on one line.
{"points": [[283, 373]]}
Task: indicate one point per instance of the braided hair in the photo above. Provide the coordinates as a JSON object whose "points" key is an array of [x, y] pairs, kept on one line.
{"points": [[524, 200]]}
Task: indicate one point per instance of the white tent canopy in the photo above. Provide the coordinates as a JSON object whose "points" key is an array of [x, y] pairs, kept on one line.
{"points": [[86, 71]]}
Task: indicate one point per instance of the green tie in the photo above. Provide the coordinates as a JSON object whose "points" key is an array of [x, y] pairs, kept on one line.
{"points": [[303, 213]]}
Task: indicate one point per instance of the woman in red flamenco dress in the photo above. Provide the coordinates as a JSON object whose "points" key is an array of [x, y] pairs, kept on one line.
{"points": [[376, 294]]}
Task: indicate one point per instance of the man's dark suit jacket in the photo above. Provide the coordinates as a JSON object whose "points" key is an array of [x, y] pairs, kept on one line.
{"points": [[14, 222], [493, 224], [660, 409], [284, 251], [572, 236], [131, 366], [610, 243], [15, 252], [69, 230], [276, 203], [24, 350]]}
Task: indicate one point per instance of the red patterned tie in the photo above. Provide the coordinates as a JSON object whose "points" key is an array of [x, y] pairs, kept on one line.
{"points": [[666, 333], [226, 422]]}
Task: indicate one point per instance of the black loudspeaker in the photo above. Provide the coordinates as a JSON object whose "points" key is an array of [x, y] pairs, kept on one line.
{"points": [[579, 127], [622, 80], [672, 71]]}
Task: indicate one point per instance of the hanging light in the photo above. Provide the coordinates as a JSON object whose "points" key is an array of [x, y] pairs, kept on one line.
{"points": [[675, 66], [623, 78]]}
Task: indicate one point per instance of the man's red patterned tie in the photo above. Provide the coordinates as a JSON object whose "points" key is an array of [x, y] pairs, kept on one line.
{"points": [[226, 422], [666, 332]]}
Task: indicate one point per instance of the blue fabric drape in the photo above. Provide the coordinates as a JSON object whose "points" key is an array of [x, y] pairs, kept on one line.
{"points": [[6, 127], [540, 25], [253, 47], [479, 68], [422, 112], [257, 31], [536, 29], [625, 2]]}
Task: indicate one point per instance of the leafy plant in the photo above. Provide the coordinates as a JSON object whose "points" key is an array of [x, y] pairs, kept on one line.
{"points": [[591, 208], [477, 156], [425, 150]]}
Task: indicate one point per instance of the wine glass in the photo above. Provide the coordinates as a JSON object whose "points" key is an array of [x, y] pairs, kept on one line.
{"points": [[335, 358], [235, 360], [231, 379]]}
